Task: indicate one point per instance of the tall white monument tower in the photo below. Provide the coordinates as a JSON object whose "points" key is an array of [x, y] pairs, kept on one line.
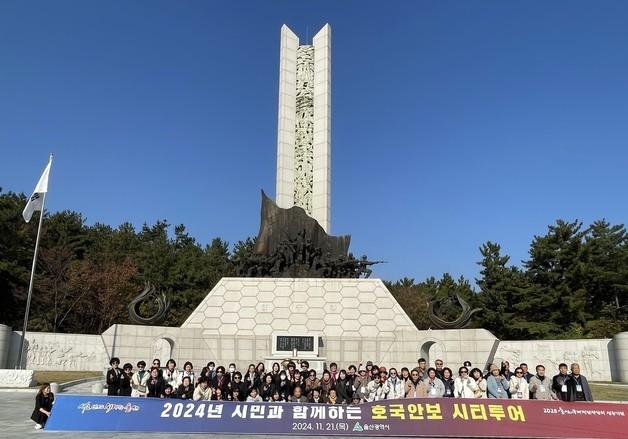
{"points": [[304, 126]]}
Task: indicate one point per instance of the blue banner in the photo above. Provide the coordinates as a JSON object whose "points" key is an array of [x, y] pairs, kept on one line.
{"points": [[402, 417]]}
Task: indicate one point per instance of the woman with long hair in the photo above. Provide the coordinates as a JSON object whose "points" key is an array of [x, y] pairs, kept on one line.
{"points": [[43, 405], [448, 381], [267, 387], [155, 384]]}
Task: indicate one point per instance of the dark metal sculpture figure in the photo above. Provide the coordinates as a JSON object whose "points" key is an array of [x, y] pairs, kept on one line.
{"points": [[280, 225], [463, 321], [290, 243], [149, 293]]}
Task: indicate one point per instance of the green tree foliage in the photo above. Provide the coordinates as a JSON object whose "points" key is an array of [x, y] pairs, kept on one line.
{"points": [[87, 275], [574, 283]]}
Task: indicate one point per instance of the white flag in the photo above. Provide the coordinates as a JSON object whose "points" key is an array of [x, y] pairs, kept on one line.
{"points": [[36, 200]]}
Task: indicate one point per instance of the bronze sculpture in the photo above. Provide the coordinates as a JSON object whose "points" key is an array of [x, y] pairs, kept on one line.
{"points": [[463, 320], [149, 293], [290, 243]]}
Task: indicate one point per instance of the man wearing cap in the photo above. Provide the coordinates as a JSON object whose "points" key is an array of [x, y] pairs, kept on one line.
{"points": [[379, 388]]}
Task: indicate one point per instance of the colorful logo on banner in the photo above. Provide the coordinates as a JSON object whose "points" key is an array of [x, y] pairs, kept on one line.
{"points": [[404, 417]]}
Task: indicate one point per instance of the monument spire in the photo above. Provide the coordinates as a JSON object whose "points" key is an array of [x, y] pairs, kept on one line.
{"points": [[304, 125]]}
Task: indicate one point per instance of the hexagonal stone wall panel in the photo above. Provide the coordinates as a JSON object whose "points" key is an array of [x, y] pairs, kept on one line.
{"points": [[331, 307]]}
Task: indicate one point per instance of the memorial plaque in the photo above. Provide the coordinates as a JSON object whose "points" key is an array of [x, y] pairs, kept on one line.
{"points": [[300, 343]]}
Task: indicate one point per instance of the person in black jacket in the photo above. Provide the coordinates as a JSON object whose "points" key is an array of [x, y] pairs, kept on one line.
{"points": [[448, 380], [267, 388], [43, 406], [113, 377], [559, 382], [238, 384], [185, 390], [125, 380], [168, 392], [155, 384], [577, 385], [343, 388]]}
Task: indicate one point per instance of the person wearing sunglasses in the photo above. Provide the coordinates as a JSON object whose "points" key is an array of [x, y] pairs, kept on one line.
{"points": [[464, 385], [139, 380], [496, 385], [312, 383], [415, 387], [397, 385], [519, 385], [238, 385], [378, 388], [125, 380]]}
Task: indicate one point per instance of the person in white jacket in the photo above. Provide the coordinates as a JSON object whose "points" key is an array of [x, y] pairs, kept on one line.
{"points": [[396, 384], [464, 385], [139, 380], [202, 392], [519, 386], [476, 374], [188, 371], [379, 388], [171, 374]]}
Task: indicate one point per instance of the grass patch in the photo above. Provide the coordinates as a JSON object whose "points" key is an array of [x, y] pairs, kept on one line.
{"points": [[609, 393], [52, 376]]}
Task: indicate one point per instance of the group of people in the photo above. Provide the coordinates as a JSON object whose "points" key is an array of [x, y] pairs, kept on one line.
{"points": [[287, 382]]}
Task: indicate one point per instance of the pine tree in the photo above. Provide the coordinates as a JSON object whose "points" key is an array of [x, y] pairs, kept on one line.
{"points": [[555, 303], [495, 297]]}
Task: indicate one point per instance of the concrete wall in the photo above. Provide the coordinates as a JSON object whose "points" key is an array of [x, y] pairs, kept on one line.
{"points": [[50, 351], [593, 355], [355, 319]]}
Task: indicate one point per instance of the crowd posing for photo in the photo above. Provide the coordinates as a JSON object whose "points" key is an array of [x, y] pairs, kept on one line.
{"points": [[287, 382]]}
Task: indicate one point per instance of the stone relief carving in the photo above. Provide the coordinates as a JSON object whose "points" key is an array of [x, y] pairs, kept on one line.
{"points": [[304, 129], [58, 355], [551, 358], [16, 378], [162, 349]]}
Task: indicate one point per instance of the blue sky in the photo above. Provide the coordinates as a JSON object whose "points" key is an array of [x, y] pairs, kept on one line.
{"points": [[453, 123]]}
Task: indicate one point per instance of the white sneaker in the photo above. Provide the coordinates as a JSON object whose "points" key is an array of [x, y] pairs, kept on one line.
{"points": [[38, 426]]}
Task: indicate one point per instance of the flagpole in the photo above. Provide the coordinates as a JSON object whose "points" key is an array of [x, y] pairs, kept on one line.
{"points": [[30, 285]]}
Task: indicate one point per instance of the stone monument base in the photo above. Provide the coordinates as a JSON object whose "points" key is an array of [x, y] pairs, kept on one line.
{"points": [[353, 320]]}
